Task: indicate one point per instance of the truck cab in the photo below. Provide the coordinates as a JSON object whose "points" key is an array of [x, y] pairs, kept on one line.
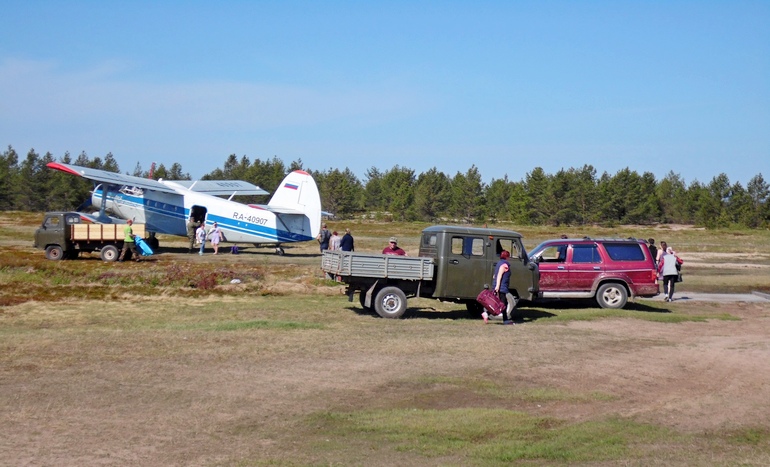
{"points": [[53, 236], [465, 259]]}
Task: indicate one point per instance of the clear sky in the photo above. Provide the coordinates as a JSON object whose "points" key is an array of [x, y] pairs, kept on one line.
{"points": [[655, 86]]}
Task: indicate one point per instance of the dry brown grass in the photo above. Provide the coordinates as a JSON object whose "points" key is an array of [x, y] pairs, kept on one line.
{"points": [[282, 370]]}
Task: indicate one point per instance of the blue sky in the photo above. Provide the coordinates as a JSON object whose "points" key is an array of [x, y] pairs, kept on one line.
{"points": [[507, 86]]}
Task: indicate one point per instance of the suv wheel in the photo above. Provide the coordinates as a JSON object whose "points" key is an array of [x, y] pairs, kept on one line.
{"points": [[612, 295]]}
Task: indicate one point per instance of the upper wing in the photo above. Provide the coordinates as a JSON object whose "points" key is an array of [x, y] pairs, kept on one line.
{"points": [[111, 177], [221, 187], [209, 187]]}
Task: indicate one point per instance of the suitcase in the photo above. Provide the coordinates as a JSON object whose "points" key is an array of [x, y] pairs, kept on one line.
{"points": [[491, 302], [143, 246]]}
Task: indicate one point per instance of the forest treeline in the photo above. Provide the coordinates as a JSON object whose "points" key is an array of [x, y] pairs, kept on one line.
{"points": [[576, 196]]}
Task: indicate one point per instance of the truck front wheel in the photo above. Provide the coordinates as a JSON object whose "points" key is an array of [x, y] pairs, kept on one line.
{"points": [[109, 253], [390, 302], [54, 252]]}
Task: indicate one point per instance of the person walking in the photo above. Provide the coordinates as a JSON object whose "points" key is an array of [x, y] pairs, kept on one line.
{"points": [[323, 238], [335, 241], [668, 267], [128, 242], [215, 236], [200, 236], [501, 278], [347, 243]]}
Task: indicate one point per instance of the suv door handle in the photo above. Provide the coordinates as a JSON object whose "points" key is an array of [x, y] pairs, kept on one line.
{"points": [[454, 261], [597, 268], [560, 267]]}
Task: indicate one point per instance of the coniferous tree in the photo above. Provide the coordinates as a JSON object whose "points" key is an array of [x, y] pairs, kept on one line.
{"points": [[431, 195]]}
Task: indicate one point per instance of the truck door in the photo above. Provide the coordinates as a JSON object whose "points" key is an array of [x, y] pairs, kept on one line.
{"points": [[465, 268]]}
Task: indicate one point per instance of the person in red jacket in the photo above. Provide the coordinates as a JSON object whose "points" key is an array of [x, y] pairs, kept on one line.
{"points": [[393, 248]]}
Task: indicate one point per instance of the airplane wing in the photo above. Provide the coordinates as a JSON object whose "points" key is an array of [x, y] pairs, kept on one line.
{"points": [[221, 187], [209, 187], [111, 177]]}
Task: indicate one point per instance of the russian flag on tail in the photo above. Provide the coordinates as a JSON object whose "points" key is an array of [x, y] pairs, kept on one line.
{"points": [[290, 186]]}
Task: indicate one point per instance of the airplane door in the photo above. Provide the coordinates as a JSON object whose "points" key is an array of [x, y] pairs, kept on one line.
{"points": [[198, 213]]}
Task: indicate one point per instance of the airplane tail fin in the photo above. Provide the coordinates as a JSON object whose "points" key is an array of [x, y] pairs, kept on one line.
{"points": [[299, 193]]}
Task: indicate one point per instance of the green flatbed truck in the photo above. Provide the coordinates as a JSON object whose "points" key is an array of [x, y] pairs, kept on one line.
{"points": [[455, 263], [64, 235]]}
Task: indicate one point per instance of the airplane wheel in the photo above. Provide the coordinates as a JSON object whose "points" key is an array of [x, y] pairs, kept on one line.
{"points": [[109, 253], [54, 252], [279, 251], [153, 243]]}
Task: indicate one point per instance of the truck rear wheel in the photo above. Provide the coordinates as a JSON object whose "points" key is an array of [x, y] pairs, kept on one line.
{"points": [[54, 252], [390, 302], [109, 253], [612, 295]]}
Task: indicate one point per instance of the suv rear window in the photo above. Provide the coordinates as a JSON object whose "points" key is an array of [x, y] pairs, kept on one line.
{"points": [[624, 251]]}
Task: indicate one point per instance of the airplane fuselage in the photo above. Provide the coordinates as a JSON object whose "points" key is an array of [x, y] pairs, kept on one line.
{"points": [[168, 213]]}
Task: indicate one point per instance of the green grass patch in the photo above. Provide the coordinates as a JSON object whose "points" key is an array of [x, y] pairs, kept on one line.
{"points": [[484, 436]]}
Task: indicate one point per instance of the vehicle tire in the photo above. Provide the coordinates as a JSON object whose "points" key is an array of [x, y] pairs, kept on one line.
{"points": [[54, 252], [612, 295], [109, 253], [474, 309], [390, 302]]}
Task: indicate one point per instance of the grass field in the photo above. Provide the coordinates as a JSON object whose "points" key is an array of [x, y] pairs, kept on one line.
{"points": [[166, 362]]}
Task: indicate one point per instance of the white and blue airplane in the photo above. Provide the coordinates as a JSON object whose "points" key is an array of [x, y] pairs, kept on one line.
{"points": [[293, 214]]}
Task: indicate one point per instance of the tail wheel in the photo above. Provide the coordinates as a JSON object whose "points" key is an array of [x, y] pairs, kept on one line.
{"points": [[54, 252], [390, 302], [612, 295]]}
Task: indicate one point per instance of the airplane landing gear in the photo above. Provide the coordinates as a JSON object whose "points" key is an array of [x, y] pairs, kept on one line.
{"points": [[279, 251]]}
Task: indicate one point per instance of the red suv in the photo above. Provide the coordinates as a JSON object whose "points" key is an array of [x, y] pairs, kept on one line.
{"points": [[609, 270]]}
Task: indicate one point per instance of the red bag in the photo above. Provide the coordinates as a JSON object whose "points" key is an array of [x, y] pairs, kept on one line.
{"points": [[491, 302]]}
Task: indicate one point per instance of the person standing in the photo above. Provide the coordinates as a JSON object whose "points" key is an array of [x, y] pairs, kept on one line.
{"points": [[192, 226], [323, 238], [653, 249], [216, 236], [335, 241], [661, 252], [347, 244], [501, 278], [128, 242], [200, 235], [668, 267], [393, 248]]}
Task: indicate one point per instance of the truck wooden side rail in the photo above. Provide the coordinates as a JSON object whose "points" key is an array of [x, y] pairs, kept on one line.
{"points": [[102, 232]]}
